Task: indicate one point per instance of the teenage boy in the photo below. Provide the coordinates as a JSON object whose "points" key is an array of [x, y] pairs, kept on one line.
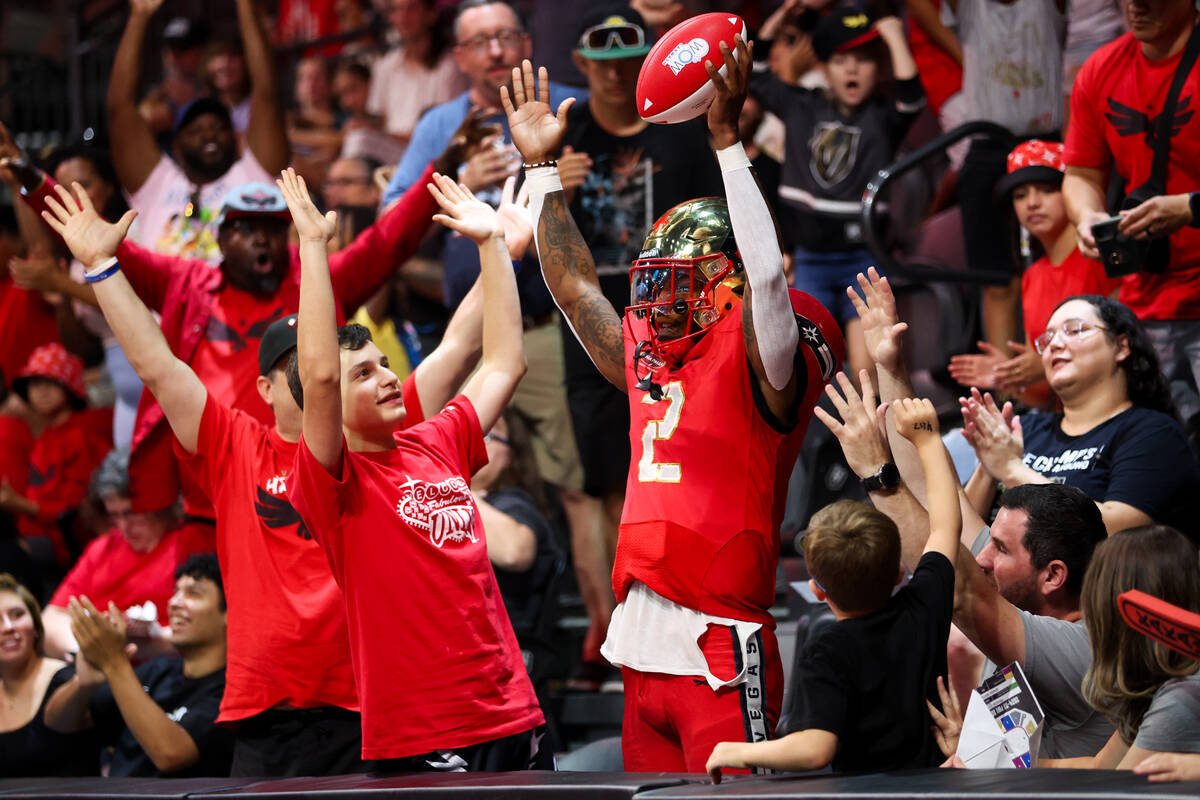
{"points": [[437, 665], [863, 682], [289, 685]]}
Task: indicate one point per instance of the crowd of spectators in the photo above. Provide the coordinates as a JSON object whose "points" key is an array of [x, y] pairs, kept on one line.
{"points": [[163, 602]]}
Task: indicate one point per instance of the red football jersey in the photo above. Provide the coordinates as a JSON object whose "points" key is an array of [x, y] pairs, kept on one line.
{"points": [[435, 658], [1114, 109], [287, 639], [709, 468]]}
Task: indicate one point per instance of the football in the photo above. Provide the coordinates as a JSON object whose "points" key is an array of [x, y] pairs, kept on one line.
{"points": [[673, 85]]}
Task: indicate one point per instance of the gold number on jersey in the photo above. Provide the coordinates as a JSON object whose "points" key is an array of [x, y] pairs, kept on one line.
{"points": [[661, 430]]}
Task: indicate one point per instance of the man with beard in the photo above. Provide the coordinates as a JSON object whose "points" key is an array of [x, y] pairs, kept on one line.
{"points": [[178, 198]]}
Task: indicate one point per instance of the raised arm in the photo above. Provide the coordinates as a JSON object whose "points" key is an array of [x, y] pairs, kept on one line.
{"points": [[768, 321], [95, 242], [316, 329], [267, 133], [891, 30], [567, 264], [917, 421], [503, 362], [439, 374], [134, 152]]}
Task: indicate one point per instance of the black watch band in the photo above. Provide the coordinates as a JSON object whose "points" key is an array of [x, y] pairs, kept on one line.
{"points": [[1194, 205], [885, 479]]}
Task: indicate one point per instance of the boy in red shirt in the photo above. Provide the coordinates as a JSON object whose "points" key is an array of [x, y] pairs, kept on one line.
{"points": [[437, 665], [289, 683]]}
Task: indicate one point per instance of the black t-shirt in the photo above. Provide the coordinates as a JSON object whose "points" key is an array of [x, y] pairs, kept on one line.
{"points": [[36, 751], [193, 703], [1139, 457], [866, 679], [831, 156], [633, 181], [524, 593]]}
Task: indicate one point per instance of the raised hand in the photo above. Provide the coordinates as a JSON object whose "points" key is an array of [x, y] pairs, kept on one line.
{"points": [[36, 273], [311, 224], [573, 168], [881, 325], [947, 723], [145, 7], [490, 164], [536, 129], [464, 213], [915, 419], [514, 216], [732, 88], [994, 433], [92, 238], [860, 433], [101, 636], [978, 369]]}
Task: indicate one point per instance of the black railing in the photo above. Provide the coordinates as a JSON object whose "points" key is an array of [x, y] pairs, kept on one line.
{"points": [[916, 271]]}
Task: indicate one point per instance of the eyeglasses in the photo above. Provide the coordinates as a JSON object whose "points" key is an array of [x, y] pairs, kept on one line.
{"points": [[508, 39], [497, 438], [343, 182], [1071, 329], [607, 35]]}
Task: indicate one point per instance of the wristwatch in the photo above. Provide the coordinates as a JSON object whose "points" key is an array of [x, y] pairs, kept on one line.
{"points": [[886, 479], [1194, 205]]}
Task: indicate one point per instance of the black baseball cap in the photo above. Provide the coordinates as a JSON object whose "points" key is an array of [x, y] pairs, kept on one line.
{"points": [[276, 342], [202, 105], [613, 31], [844, 28], [182, 33]]}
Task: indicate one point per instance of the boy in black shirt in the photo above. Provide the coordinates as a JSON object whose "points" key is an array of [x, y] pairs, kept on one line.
{"points": [[836, 142], [864, 681]]}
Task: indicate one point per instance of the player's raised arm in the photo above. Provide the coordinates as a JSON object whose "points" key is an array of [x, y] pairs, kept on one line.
{"points": [[503, 362], [94, 242], [567, 265], [769, 323], [316, 329]]}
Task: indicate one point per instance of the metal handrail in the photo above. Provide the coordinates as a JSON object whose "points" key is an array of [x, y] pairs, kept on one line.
{"points": [[883, 258]]}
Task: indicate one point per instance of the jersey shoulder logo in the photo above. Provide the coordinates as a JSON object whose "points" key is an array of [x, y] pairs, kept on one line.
{"points": [[444, 511], [814, 340]]}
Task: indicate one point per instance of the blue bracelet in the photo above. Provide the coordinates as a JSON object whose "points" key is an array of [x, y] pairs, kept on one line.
{"points": [[107, 272]]}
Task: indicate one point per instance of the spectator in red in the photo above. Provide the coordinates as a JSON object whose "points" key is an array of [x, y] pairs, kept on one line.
{"points": [[64, 454], [26, 320], [178, 195], [214, 318], [132, 565]]}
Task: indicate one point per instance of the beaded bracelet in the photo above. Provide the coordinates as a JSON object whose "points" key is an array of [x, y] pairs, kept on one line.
{"points": [[551, 163]]}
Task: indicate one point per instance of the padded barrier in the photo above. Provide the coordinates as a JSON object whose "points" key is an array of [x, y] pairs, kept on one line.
{"points": [[909, 785]]}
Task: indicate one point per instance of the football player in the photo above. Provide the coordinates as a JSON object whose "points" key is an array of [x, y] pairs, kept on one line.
{"points": [[723, 366]]}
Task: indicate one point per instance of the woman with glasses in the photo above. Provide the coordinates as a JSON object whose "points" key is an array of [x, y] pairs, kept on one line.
{"points": [[1117, 437]]}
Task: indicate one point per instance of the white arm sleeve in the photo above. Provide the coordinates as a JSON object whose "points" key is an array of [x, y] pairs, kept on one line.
{"points": [[542, 181], [754, 228]]}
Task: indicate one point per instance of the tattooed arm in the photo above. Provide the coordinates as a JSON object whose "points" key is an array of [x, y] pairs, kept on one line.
{"points": [[567, 265], [570, 273]]}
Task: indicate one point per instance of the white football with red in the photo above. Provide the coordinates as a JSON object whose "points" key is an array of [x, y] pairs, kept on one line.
{"points": [[673, 85]]}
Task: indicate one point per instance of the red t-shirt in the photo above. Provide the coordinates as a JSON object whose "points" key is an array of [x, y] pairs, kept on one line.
{"points": [[708, 471], [1044, 286], [60, 466], [941, 76], [110, 570], [435, 658], [287, 639], [26, 323], [1114, 104], [16, 443]]}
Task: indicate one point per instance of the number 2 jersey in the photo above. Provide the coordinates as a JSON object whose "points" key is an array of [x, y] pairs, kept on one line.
{"points": [[710, 465]]}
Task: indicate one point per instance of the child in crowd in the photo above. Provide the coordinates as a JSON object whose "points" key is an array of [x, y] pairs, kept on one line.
{"points": [[836, 142], [864, 681], [1034, 184], [72, 443], [438, 669]]}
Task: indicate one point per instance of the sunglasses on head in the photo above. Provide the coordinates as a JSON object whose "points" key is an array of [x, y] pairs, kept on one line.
{"points": [[606, 36]]}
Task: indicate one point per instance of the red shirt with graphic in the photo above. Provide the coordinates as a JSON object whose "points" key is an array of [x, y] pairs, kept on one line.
{"points": [[435, 658], [1114, 107], [14, 452], [110, 569], [710, 465], [287, 639], [1044, 286]]}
